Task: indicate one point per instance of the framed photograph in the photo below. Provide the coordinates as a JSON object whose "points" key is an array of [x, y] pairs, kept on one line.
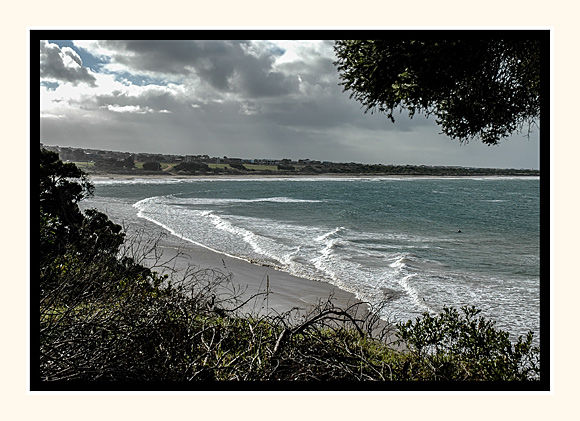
{"points": [[357, 210]]}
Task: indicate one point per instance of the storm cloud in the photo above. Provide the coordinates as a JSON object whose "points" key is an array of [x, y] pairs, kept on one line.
{"points": [[252, 99], [231, 66]]}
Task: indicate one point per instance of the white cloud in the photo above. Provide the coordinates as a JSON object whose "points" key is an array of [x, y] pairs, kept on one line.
{"points": [[133, 109], [128, 109], [94, 48], [63, 65], [52, 116], [300, 50]]}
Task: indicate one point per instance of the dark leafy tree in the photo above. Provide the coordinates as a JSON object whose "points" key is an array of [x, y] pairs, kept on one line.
{"points": [[152, 166], [129, 162], [484, 89], [286, 167], [115, 164], [62, 186], [63, 227], [192, 167]]}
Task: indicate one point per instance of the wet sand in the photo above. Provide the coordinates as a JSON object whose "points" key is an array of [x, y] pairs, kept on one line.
{"points": [[286, 292]]}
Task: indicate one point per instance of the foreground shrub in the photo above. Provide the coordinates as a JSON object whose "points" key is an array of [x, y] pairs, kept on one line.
{"points": [[144, 328], [456, 345], [141, 327]]}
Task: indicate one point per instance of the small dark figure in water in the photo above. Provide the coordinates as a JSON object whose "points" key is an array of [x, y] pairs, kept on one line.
{"points": [[458, 231]]}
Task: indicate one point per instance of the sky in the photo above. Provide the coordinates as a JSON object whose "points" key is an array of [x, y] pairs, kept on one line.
{"points": [[246, 99]]}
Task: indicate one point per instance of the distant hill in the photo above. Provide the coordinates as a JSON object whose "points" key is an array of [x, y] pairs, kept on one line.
{"points": [[94, 161]]}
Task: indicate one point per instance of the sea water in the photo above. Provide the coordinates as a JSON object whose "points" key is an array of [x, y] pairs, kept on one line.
{"points": [[413, 244]]}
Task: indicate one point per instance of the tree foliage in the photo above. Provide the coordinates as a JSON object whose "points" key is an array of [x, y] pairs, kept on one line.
{"points": [[459, 345], [485, 88], [63, 227], [62, 186], [192, 167], [152, 166], [125, 164]]}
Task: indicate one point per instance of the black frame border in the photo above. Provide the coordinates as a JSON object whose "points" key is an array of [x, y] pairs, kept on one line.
{"points": [[543, 35]]}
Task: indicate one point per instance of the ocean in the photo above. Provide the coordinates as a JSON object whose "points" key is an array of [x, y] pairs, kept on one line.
{"points": [[416, 244]]}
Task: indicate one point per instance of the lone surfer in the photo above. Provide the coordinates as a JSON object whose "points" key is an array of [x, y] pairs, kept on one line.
{"points": [[458, 231]]}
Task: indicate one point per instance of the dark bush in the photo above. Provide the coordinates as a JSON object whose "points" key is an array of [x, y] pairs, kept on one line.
{"points": [[238, 166], [192, 167], [152, 166], [286, 167]]}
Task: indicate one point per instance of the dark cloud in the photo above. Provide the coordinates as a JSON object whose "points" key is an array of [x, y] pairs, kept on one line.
{"points": [[55, 64], [227, 66]]}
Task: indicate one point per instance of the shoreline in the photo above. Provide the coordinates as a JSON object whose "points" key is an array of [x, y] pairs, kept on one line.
{"points": [[113, 176], [286, 291]]}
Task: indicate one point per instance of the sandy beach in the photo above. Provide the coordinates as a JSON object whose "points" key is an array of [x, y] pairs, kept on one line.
{"points": [[286, 291]]}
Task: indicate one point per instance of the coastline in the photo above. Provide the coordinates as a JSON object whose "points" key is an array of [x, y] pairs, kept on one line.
{"points": [[113, 176], [286, 291]]}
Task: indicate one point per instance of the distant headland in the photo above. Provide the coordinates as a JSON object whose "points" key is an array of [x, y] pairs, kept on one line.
{"points": [[95, 161]]}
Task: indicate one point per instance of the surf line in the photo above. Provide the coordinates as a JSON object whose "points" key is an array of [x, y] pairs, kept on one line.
{"points": [[140, 214]]}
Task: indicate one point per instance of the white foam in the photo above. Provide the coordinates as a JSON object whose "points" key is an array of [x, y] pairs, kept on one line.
{"points": [[225, 201], [300, 250], [412, 292], [254, 240], [329, 234], [141, 214], [125, 181], [327, 262], [165, 180]]}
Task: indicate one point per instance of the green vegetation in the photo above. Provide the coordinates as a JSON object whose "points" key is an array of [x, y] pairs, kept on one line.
{"points": [[113, 164], [219, 166], [191, 168], [151, 166], [485, 88], [86, 165], [462, 346], [257, 167], [110, 162], [106, 317]]}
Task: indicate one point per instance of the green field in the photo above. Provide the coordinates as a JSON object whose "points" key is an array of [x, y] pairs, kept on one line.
{"points": [[220, 166], [84, 165], [257, 167]]}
